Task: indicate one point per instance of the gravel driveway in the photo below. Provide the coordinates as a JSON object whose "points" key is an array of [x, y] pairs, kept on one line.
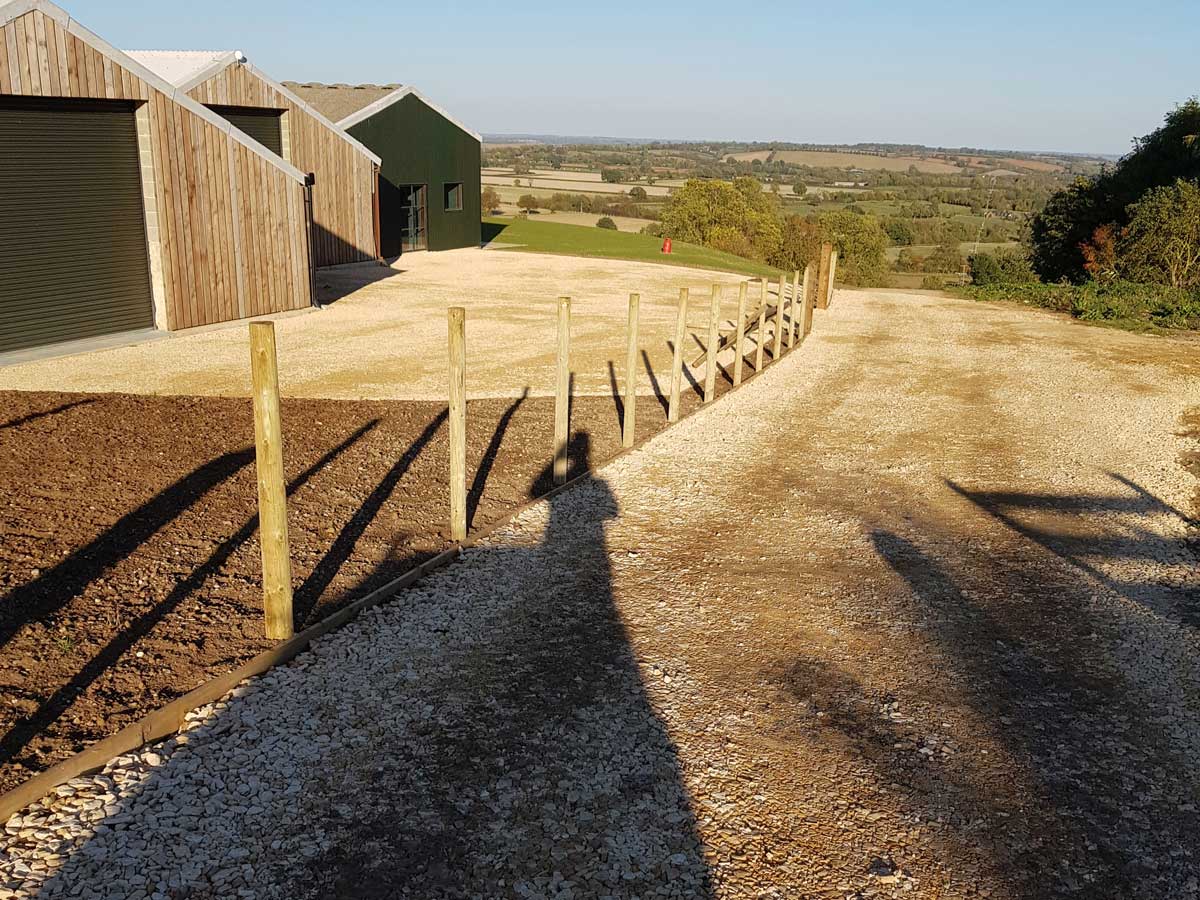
{"points": [[382, 333], [913, 614]]}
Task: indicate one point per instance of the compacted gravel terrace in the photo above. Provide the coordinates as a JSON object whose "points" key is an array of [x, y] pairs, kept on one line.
{"points": [[913, 614]]}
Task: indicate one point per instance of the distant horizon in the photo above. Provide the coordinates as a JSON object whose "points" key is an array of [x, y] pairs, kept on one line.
{"points": [[1086, 78], [565, 139]]}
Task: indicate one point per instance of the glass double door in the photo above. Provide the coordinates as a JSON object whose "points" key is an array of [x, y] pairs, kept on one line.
{"points": [[413, 217]]}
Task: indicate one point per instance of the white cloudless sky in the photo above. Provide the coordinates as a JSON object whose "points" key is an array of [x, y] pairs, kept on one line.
{"points": [[1068, 76]]}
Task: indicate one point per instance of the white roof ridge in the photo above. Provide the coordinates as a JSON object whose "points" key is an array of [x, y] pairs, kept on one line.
{"points": [[217, 61], [394, 97], [13, 9]]}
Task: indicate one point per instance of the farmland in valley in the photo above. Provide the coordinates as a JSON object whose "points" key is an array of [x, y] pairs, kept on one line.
{"points": [[834, 160]]}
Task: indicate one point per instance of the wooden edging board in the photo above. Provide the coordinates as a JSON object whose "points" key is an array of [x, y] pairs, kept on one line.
{"points": [[167, 719]]}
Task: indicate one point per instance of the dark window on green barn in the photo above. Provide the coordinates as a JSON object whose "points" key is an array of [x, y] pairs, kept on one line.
{"points": [[454, 196]]}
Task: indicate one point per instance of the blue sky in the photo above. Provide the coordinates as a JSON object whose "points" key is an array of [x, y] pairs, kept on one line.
{"points": [[1039, 76]]}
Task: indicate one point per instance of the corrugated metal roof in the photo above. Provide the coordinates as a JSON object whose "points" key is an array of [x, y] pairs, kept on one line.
{"points": [[349, 104], [178, 67], [338, 101]]}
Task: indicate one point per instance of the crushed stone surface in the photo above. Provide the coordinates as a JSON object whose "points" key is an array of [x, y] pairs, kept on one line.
{"points": [[912, 614]]}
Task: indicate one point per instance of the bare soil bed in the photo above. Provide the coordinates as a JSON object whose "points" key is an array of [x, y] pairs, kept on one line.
{"points": [[129, 572]]}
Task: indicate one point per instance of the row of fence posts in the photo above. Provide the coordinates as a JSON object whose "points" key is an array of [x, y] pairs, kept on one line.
{"points": [[816, 291]]}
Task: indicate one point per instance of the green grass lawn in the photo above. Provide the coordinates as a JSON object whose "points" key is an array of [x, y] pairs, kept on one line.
{"points": [[581, 240]]}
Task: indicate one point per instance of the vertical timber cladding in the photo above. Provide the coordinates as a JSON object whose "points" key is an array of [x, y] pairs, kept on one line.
{"points": [[71, 223], [229, 236], [421, 146], [343, 208]]}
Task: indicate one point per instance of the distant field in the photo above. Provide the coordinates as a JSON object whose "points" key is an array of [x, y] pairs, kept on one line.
{"points": [[623, 223], [966, 248], [1036, 165], [751, 155], [569, 182], [831, 159], [1032, 165], [576, 240]]}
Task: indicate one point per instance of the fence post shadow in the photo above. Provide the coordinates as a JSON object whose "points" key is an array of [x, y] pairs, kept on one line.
{"points": [[549, 712], [488, 460], [663, 400]]}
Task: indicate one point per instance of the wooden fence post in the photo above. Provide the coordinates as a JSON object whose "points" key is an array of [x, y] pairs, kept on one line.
{"points": [[823, 277], [794, 309], [762, 326], [833, 258], [779, 320], [562, 399], [272, 492], [677, 361], [631, 369], [740, 339], [809, 299], [457, 324], [714, 338]]}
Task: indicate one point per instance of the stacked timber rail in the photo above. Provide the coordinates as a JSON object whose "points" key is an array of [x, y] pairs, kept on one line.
{"points": [[781, 323]]}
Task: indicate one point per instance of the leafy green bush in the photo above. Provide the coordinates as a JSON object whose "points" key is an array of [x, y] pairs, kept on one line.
{"points": [[908, 261], [1002, 267], [899, 232], [946, 257], [1138, 307], [984, 269], [606, 222], [933, 283], [1162, 241]]}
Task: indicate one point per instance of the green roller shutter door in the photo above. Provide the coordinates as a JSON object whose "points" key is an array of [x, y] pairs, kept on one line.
{"points": [[263, 125], [73, 261]]}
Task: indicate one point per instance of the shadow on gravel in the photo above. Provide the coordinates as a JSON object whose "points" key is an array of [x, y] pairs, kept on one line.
{"points": [[487, 734], [1089, 794], [1054, 521]]}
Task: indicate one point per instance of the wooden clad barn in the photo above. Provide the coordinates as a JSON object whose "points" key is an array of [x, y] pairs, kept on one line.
{"points": [[429, 181], [343, 193], [124, 203]]}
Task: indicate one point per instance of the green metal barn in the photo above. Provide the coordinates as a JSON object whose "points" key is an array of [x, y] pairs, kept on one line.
{"points": [[429, 174]]}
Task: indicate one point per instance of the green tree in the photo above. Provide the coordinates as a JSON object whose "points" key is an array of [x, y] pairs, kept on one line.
{"points": [[946, 257], [1161, 244], [707, 211], [1071, 216], [799, 188], [637, 193], [612, 175], [800, 244], [899, 232], [606, 222], [527, 202], [861, 244], [908, 261], [489, 200]]}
